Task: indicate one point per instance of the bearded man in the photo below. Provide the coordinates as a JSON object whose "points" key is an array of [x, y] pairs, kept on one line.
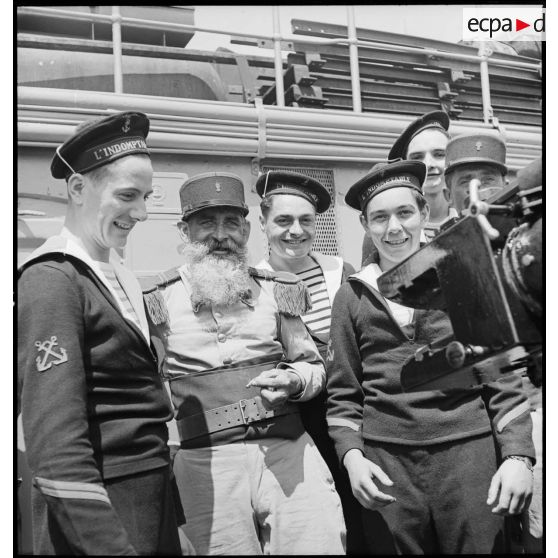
{"points": [[239, 358]]}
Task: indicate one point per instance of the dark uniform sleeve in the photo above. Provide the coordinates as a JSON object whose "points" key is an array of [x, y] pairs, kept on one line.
{"points": [[509, 410], [54, 410], [344, 377]]}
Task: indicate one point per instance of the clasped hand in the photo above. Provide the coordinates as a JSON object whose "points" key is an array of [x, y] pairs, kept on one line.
{"points": [[277, 385]]}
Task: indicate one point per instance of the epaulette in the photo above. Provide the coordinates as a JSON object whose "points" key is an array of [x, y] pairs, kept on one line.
{"points": [[152, 296], [290, 292], [149, 284]]}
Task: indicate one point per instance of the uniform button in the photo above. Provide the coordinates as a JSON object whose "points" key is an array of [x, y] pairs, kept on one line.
{"points": [[221, 338], [227, 361]]}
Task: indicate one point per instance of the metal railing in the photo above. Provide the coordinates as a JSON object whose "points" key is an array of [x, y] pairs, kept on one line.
{"points": [[116, 19]]}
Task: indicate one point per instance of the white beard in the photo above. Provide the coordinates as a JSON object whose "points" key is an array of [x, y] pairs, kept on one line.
{"points": [[216, 280]]}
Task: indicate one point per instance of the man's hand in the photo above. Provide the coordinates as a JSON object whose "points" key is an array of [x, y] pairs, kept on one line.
{"points": [[514, 483], [277, 386], [361, 472]]}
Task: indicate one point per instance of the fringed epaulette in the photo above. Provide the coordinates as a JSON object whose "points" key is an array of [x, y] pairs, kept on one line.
{"points": [[290, 292], [154, 301]]}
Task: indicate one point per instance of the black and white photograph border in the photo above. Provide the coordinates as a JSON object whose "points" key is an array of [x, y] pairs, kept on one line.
{"points": [[426, 17]]}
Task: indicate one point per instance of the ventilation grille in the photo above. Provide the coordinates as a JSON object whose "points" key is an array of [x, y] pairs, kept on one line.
{"points": [[326, 231]]}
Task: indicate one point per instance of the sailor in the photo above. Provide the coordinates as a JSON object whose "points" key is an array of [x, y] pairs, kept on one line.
{"points": [[425, 139], [93, 403], [423, 465], [239, 362], [289, 208]]}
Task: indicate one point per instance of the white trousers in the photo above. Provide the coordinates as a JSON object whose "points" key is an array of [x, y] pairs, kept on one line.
{"points": [[270, 496]]}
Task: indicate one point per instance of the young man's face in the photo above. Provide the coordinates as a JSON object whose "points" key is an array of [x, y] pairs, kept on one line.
{"points": [[490, 177], [290, 226], [224, 230], [429, 146], [394, 222], [112, 206]]}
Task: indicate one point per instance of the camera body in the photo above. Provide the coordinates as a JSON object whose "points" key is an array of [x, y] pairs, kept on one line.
{"points": [[491, 289]]}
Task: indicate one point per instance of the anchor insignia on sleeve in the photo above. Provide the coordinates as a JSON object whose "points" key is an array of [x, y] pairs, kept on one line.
{"points": [[47, 347]]}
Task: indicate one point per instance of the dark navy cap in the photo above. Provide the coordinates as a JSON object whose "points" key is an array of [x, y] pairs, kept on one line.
{"points": [[476, 148], [435, 119], [98, 142], [212, 189], [409, 174], [378, 166], [296, 184]]}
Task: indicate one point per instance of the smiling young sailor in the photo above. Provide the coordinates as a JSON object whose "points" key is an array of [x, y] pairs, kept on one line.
{"points": [[426, 140], [290, 204], [94, 408], [433, 451]]}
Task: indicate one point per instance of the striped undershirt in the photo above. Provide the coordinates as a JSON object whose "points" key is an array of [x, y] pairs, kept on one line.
{"points": [[129, 312], [318, 320]]}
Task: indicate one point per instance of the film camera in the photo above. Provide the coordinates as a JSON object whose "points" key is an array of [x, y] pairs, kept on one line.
{"points": [[485, 271]]}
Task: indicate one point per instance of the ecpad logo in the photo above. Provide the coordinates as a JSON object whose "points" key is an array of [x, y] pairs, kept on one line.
{"points": [[503, 24], [493, 25]]}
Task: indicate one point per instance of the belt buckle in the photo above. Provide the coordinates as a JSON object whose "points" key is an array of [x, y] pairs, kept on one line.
{"points": [[243, 404], [249, 417]]}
